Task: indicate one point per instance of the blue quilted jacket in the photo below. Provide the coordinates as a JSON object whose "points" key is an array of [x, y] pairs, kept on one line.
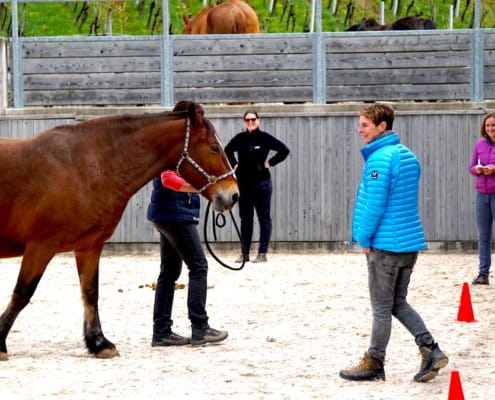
{"points": [[386, 214], [169, 206]]}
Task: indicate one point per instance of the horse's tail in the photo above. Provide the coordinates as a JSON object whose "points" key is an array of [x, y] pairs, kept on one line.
{"points": [[240, 24]]}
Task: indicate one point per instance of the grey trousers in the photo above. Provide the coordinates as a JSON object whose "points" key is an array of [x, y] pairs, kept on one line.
{"points": [[389, 275]]}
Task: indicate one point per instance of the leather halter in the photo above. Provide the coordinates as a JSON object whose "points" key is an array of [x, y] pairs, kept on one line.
{"points": [[185, 157]]}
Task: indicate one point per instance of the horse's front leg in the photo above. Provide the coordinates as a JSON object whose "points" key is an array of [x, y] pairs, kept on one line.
{"points": [[33, 265], [88, 267]]}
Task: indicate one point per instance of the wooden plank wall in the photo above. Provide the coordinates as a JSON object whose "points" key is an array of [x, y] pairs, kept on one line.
{"points": [[425, 67], [119, 72], [260, 69], [314, 189]]}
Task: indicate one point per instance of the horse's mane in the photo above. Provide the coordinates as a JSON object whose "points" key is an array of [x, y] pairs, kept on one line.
{"points": [[182, 109], [201, 15], [203, 11], [129, 119]]}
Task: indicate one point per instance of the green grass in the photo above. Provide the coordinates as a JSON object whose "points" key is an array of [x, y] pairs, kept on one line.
{"points": [[50, 19]]}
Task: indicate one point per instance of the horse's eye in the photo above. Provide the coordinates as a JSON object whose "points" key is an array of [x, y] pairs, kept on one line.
{"points": [[215, 149]]}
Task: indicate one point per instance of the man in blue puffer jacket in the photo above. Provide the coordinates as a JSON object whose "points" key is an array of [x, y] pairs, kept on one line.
{"points": [[386, 225]]}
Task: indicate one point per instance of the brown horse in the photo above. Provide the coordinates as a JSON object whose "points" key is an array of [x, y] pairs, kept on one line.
{"points": [[402, 24], [234, 16], [66, 189]]}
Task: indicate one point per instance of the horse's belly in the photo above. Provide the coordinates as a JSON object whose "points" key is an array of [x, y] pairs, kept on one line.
{"points": [[10, 249]]}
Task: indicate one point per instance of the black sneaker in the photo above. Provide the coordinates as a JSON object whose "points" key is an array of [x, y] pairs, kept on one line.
{"points": [[171, 339], [431, 361], [481, 280], [368, 369], [207, 335], [260, 258], [242, 258]]}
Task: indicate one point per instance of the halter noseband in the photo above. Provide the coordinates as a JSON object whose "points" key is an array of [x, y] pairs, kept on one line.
{"points": [[185, 157]]}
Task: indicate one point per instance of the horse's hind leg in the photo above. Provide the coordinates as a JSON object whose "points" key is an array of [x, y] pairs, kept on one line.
{"points": [[88, 267], [33, 265]]}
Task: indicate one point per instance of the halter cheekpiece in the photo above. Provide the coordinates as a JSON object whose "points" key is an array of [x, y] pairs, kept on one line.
{"points": [[185, 157]]}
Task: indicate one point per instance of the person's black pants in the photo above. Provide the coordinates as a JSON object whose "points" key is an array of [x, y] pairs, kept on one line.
{"points": [[180, 242], [255, 197]]}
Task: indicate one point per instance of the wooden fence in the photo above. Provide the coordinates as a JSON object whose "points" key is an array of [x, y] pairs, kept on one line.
{"points": [[282, 68], [314, 188]]}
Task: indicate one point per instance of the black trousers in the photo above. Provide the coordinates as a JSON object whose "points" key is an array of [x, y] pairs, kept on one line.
{"points": [[180, 242], [255, 197]]}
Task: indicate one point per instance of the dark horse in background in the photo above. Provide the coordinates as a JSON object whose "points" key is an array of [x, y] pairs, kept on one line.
{"points": [[402, 24], [66, 190], [234, 16]]}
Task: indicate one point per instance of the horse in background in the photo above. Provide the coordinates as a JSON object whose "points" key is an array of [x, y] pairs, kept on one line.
{"points": [[402, 24], [234, 16]]}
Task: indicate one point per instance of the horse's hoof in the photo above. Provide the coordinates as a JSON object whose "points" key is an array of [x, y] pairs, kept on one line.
{"points": [[3, 356], [108, 353]]}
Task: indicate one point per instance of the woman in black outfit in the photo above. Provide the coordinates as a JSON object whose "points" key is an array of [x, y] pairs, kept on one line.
{"points": [[253, 176]]}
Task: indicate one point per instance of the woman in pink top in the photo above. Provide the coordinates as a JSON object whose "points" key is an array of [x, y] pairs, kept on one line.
{"points": [[482, 166]]}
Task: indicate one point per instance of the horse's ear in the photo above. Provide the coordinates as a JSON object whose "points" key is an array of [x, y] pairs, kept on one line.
{"points": [[187, 28], [195, 112], [182, 105]]}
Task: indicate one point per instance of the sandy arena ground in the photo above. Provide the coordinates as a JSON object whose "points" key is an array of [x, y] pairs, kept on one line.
{"points": [[293, 323]]}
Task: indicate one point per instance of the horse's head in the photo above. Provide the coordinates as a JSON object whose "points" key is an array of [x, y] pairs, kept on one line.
{"points": [[203, 163], [187, 24]]}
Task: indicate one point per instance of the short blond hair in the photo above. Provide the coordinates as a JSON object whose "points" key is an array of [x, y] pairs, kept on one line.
{"points": [[379, 112]]}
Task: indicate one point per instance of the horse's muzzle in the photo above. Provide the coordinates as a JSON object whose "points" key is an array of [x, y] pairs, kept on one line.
{"points": [[224, 201]]}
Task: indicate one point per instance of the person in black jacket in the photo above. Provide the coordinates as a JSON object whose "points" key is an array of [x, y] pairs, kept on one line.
{"points": [[174, 211], [255, 185]]}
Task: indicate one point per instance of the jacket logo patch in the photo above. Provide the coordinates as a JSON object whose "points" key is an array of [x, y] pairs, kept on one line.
{"points": [[374, 174]]}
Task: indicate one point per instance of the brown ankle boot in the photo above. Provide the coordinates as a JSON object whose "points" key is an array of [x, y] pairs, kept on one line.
{"points": [[369, 369], [432, 359]]}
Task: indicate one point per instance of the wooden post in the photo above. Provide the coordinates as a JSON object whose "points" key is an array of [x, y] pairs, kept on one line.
{"points": [[451, 16], [334, 6], [395, 6]]}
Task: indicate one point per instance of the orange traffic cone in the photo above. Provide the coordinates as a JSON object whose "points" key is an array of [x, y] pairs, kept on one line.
{"points": [[465, 313], [455, 389]]}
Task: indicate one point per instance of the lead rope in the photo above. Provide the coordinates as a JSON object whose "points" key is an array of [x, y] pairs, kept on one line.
{"points": [[219, 221]]}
